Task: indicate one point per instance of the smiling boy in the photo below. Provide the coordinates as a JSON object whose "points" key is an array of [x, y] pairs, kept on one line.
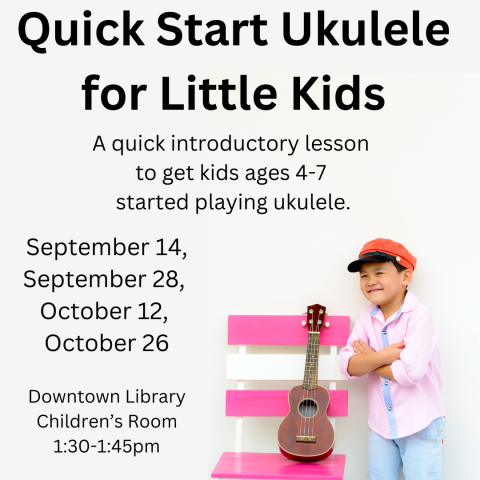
{"points": [[395, 342]]}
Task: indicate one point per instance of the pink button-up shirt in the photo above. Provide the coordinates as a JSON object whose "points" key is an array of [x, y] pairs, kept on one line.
{"points": [[403, 406]]}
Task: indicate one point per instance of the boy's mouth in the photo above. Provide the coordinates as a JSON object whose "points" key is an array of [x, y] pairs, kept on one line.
{"points": [[373, 290]]}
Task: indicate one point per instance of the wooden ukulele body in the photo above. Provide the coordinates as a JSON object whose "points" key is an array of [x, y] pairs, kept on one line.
{"points": [[307, 437], [306, 434]]}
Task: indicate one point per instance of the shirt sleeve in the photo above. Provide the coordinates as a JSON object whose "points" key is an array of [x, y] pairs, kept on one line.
{"points": [[420, 341], [347, 352]]}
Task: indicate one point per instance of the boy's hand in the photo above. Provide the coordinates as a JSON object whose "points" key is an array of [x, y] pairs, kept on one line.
{"points": [[359, 346], [392, 353]]}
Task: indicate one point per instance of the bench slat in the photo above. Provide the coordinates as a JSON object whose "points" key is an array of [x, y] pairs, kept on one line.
{"points": [[280, 367], [283, 330], [274, 403], [276, 466]]}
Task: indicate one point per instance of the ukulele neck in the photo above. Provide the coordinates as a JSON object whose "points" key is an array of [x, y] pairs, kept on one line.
{"points": [[310, 378]]}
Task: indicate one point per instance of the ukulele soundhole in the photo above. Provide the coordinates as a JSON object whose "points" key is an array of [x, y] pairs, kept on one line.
{"points": [[308, 407]]}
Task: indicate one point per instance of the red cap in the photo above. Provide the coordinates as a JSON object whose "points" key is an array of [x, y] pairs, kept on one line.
{"points": [[383, 250]]}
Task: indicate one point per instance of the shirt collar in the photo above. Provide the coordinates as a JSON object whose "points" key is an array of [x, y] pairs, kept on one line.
{"points": [[410, 303]]}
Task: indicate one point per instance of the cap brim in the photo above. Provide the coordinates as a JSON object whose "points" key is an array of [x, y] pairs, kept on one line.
{"points": [[357, 264]]}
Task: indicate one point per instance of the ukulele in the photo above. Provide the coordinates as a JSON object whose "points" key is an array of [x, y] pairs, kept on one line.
{"points": [[306, 434]]}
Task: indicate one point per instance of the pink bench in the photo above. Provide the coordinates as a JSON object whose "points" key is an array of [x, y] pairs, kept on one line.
{"points": [[246, 330]]}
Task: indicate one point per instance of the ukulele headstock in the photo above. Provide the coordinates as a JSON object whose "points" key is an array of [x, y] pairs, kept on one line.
{"points": [[316, 317]]}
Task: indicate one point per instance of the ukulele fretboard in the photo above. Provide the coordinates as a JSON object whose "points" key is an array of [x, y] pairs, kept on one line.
{"points": [[310, 377]]}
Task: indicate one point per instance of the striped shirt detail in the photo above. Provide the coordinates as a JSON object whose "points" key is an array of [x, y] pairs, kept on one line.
{"points": [[386, 382]]}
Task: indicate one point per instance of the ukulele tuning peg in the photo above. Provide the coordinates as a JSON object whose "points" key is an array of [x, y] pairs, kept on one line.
{"points": [[327, 324], [304, 323], [304, 313]]}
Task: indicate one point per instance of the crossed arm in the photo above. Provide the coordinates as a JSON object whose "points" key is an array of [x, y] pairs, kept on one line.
{"points": [[368, 360]]}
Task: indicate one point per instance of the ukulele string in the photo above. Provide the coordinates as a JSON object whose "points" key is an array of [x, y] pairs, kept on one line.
{"points": [[304, 379], [307, 419], [309, 399], [309, 357], [317, 347]]}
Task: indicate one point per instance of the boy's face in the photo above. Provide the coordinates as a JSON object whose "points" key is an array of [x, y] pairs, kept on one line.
{"points": [[381, 283]]}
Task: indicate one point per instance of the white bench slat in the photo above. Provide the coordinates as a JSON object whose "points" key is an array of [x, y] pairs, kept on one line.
{"points": [[280, 367], [242, 350]]}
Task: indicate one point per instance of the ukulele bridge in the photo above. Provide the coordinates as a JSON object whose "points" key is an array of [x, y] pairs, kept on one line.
{"points": [[306, 439]]}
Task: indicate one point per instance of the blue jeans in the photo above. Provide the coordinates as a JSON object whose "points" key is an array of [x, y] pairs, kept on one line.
{"points": [[419, 454]]}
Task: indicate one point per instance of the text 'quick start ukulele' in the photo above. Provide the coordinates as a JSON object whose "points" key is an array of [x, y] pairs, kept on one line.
{"points": [[306, 434]]}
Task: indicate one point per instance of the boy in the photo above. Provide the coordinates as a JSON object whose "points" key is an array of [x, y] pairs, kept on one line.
{"points": [[395, 342]]}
